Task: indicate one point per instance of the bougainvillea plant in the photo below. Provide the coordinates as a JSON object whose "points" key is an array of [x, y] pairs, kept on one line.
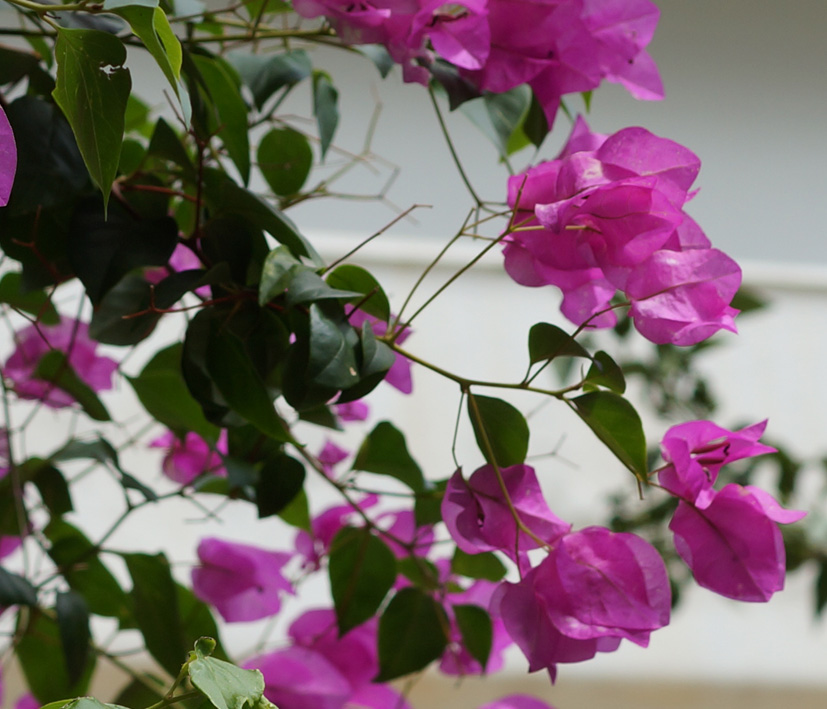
{"points": [[132, 220]]}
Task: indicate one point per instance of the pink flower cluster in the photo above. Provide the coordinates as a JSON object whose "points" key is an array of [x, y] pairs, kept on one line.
{"points": [[592, 589], [728, 537], [70, 337], [607, 215], [555, 46], [8, 159], [321, 670], [187, 458]]}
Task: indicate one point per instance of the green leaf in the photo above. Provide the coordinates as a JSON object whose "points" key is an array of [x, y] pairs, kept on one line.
{"points": [[305, 286], [379, 56], [385, 452], [375, 361], [546, 341], [54, 367], [229, 119], [40, 653], [166, 144], [228, 198], [197, 620], [501, 427], [279, 268], [605, 372], [498, 116], [104, 248], [476, 630], [139, 692], [280, 480], [78, 561], [34, 302], [161, 389], [241, 385], [428, 504], [478, 566], [325, 108], [92, 89], [267, 74], [156, 609], [297, 512], [151, 26], [362, 570], [116, 320], [331, 360], [615, 422], [285, 158], [821, 589], [226, 686], [53, 489], [535, 125], [372, 298], [411, 634], [15, 590], [420, 572], [73, 626]]}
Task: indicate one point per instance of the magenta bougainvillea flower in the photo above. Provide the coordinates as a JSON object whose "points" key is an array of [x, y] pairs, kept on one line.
{"points": [[696, 451], [242, 582], [27, 701], [185, 459], [479, 519], [322, 669], [70, 337], [558, 48], [607, 215], [729, 537], [8, 159], [593, 589], [733, 544], [517, 701], [399, 375], [352, 411], [330, 455]]}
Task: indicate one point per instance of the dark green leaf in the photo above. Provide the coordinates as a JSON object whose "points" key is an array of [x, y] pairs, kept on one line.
{"points": [[379, 56], [279, 268], [385, 452], [166, 144], [229, 198], [362, 570], [615, 422], [546, 341], [241, 385], [73, 626], [428, 504], [156, 609], [476, 630], [500, 429], [15, 590], [197, 620], [54, 367], [50, 169], [498, 116], [821, 589], [325, 108], [305, 286], [297, 512], [331, 360], [78, 562], [478, 566], [161, 389], [92, 90], [226, 686], [124, 315], [34, 302], [411, 634], [420, 572], [229, 118], [103, 249], [40, 653], [285, 158], [457, 88], [267, 74], [605, 372], [376, 360], [280, 480], [372, 300], [139, 692], [535, 125], [53, 490]]}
